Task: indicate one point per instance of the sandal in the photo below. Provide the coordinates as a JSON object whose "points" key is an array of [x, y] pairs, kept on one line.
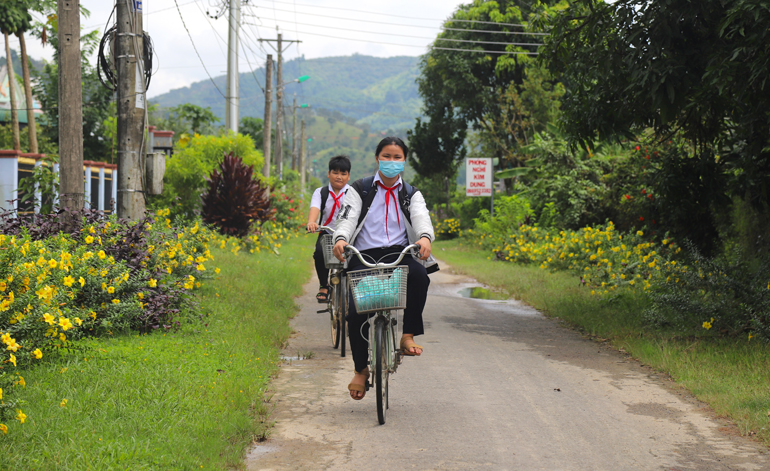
{"points": [[406, 344], [358, 387], [322, 297]]}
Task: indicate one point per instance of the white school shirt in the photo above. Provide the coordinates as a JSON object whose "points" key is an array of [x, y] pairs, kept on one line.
{"points": [[315, 202], [377, 232]]}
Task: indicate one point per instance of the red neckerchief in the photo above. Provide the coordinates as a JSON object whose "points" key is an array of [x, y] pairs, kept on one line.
{"points": [[335, 206], [390, 191]]}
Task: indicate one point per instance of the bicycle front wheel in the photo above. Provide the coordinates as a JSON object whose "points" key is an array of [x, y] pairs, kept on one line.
{"points": [[343, 312], [381, 366], [334, 315]]}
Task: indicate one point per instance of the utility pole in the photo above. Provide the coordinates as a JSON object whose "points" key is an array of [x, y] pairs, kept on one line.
{"points": [[279, 99], [279, 110], [302, 171], [131, 104], [267, 125], [294, 135], [231, 115], [71, 186]]}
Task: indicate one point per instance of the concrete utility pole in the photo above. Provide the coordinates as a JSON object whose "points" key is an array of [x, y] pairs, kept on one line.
{"points": [[267, 125], [71, 183], [279, 100], [279, 110], [302, 170], [231, 115], [131, 104], [294, 135]]}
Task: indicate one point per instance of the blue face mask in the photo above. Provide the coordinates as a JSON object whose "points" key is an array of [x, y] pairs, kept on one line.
{"points": [[391, 168]]}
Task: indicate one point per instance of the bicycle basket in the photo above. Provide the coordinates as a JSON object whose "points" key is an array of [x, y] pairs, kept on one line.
{"points": [[379, 289], [329, 259]]}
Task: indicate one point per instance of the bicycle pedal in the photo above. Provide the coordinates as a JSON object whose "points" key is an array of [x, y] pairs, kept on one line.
{"points": [[367, 385], [322, 311]]}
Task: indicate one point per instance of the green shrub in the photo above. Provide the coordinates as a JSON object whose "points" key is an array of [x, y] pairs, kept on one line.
{"points": [[510, 213], [186, 171], [729, 294]]}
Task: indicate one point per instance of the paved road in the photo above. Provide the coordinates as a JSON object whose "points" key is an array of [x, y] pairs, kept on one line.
{"points": [[499, 387]]}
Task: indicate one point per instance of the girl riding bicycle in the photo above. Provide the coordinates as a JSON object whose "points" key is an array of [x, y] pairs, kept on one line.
{"points": [[381, 217]]}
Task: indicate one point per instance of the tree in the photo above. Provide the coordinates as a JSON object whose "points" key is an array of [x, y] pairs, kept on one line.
{"points": [[480, 88], [525, 110], [14, 18], [198, 119], [437, 148], [252, 127], [699, 67]]}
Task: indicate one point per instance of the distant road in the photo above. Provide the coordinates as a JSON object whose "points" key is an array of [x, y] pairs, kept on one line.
{"points": [[499, 387]]}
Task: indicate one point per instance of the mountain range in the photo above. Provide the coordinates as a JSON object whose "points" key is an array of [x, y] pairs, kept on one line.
{"points": [[375, 93]]}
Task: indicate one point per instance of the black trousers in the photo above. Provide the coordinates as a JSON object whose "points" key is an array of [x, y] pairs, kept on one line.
{"points": [[416, 294], [320, 265]]}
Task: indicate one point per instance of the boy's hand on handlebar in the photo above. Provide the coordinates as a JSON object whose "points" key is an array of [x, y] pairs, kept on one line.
{"points": [[312, 227], [339, 250], [424, 244]]}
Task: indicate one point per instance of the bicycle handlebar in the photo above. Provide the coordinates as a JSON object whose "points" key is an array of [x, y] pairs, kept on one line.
{"points": [[350, 248], [322, 228]]}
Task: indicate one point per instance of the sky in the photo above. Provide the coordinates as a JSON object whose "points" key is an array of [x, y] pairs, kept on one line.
{"points": [[325, 27]]}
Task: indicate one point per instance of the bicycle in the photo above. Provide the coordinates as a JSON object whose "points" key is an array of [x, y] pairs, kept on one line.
{"points": [[338, 292], [381, 289]]}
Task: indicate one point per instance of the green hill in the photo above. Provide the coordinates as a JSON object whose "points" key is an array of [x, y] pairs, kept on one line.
{"points": [[377, 93]]}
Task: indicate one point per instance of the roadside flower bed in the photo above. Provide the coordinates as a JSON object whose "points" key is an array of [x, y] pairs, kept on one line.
{"points": [[604, 258], [688, 292], [101, 278]]}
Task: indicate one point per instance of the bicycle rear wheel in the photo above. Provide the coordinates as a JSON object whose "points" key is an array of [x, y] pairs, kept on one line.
{"points": [[381, 366], [333, 314]]}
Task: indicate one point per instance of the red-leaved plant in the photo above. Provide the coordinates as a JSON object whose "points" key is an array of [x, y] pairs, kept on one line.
{"points": [[234, 199]]}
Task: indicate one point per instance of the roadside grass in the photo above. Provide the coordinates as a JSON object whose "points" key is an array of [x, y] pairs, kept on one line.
{"points": [[188, 399], [731, 375]]}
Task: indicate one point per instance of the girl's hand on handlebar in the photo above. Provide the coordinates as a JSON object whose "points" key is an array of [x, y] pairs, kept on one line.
{"points": [[312, 227], [339, 250], [424, 244]]}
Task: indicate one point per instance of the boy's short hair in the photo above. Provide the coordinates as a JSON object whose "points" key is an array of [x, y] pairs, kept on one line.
{"points": [[340, 163]]}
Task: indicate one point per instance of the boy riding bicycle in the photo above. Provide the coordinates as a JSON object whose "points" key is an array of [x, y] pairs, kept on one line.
{"points": [[326, 203]]}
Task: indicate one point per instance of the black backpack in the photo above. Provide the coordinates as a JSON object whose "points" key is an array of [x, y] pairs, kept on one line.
{"points": [[324, 197], [367, 189]]}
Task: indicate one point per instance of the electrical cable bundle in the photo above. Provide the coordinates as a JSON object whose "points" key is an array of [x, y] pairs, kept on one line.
{"points": [[105, 64]]}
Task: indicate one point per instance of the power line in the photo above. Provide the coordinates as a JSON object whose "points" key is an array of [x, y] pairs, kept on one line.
{"points": [[412, 45], [196, 50], [473, 41], [405, 17], [487, 52], [413, 26]]}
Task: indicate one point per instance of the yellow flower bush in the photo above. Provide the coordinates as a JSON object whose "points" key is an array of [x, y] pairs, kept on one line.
{"points": [[448, 228], [109, 278], [606, 259]]}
